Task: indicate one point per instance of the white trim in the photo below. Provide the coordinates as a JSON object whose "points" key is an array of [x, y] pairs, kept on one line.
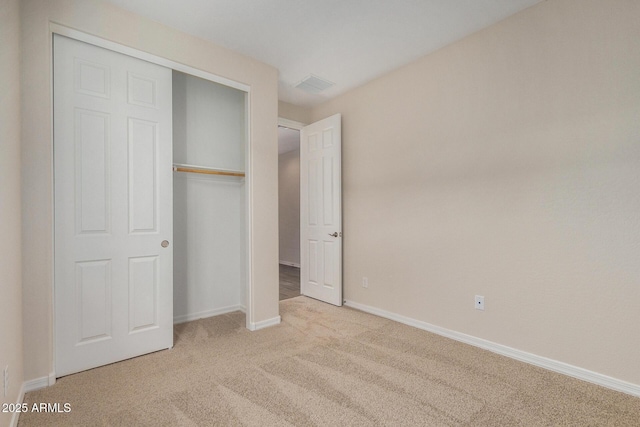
{"points": [[291, 124], [16, 415], [290, 264], [36, 384], [52, 193], [523, 356], [126, 50], [207, 313], [264, 324], [248, 209]]}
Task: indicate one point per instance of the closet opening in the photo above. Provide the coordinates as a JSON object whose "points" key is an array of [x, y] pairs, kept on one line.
{"points": [[209, 198], [289, 211]]}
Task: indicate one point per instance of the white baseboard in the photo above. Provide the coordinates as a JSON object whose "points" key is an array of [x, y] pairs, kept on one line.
{"points": [[207, 313], [523, 356], [16, 415], [32, 385], [264, 324], [290, 264], [37, 384]]}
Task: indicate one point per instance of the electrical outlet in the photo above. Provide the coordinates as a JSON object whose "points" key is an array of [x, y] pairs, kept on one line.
{"points": [[6, 380], [479, 302], [365, 282]]}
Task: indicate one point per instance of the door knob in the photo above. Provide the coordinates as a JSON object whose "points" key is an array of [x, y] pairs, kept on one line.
{"points": [[164, 243], [335, 234]]}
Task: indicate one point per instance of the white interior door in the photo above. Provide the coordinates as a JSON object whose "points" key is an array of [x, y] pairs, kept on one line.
{"points": [[113, 206], [321, 210]]}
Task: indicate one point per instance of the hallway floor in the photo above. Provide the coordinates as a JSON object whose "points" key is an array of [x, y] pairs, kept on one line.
{"points": [[289, 282]]}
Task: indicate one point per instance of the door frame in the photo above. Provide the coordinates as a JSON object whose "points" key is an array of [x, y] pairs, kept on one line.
{"points": [[78, 35], [291, 124]]}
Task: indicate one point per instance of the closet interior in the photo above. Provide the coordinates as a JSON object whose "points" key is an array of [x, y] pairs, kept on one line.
{"points": [[209, 145]]}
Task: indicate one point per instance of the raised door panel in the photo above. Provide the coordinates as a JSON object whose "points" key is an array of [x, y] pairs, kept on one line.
{"points": [[92, 79], [93, 299], [329, 249], [143, 293], [142, 91], [312, 191], [92, 170], [143, 172], [328, 197], [312, 275]]}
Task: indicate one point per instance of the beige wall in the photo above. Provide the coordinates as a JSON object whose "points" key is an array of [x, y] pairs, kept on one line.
{"points": [[10, 252], [289, 206], [294, 112], [109, 22], [506, 165]]}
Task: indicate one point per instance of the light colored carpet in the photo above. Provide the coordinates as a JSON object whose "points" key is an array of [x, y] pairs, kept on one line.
{"points": [[325, 366]]}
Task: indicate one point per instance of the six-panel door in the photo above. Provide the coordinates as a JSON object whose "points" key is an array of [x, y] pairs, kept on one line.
{"points": [[113, 206], [321, 210]]}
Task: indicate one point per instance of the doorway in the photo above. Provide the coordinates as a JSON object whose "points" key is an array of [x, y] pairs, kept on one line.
{"points": [[289, 211], [320, 202]]}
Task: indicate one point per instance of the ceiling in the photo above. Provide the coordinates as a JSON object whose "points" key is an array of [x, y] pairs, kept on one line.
{"points": [[347, 42]]}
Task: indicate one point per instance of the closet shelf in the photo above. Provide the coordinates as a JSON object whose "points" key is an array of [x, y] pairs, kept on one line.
{"points": [[178, 167]]}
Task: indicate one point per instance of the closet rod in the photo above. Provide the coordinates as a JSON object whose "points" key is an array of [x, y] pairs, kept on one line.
{"points": [[206, 170]]}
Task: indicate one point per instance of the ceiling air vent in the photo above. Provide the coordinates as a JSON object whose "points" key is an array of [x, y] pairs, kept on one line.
{"points": [[314, 84]]}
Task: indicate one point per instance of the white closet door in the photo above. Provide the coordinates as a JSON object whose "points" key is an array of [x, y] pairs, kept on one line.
{"points": [[113, 206]]}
